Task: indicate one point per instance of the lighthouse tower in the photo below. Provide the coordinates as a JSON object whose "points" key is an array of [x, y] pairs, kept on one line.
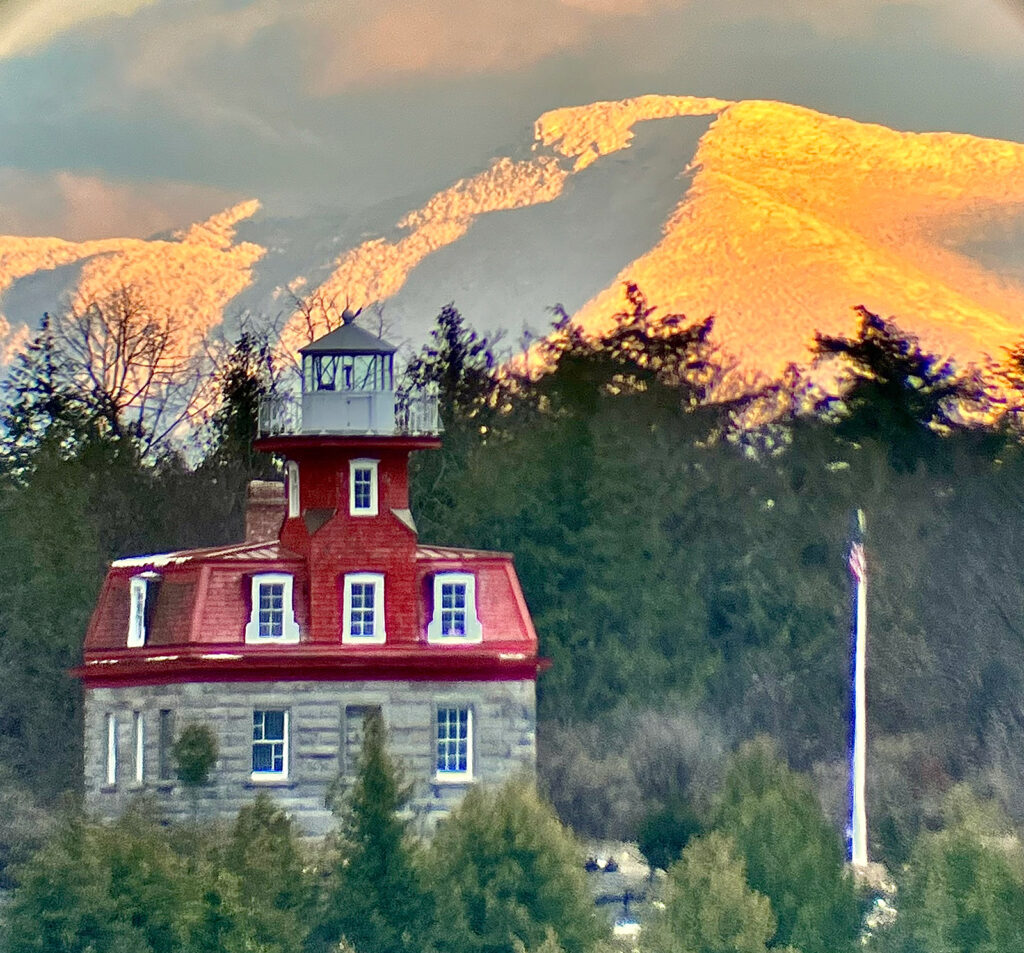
{"points": [[330, 610]]}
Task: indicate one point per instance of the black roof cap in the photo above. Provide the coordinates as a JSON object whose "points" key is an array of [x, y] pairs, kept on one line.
{"points": [[349, 339]]}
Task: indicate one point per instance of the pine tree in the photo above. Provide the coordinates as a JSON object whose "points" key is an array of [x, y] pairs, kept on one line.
{"points": [[372, 896], [506, 873], [791, 854]]}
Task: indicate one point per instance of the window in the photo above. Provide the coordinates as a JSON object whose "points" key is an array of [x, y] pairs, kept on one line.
{"points": [[138, 726], [363, 609], [373, 372], [454, 743], [455, 618], [356, 718], [362, 485], [142, 597], [269, 744], [111, 749], [293, 488], [272, 618], [166, 745]]}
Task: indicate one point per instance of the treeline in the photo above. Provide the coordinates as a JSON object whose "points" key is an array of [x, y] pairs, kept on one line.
{"points": [[112, 445], [500, 876], [760, 870], [683, 551]]}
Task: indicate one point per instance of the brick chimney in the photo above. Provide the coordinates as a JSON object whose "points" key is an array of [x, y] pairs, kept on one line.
{"points": [[264, 511]]}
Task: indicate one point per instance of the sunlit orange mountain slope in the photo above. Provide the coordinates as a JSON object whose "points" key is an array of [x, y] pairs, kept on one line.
{"points": [[773, 217]]}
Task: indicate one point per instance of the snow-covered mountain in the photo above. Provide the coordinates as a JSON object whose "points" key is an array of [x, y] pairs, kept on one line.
{"points": [[773, 217]]}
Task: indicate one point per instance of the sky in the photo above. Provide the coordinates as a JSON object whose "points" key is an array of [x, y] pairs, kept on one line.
{"points": [[135, 117]]}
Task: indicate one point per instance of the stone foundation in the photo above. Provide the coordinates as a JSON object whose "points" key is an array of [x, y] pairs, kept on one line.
{"points": [[325, 731]]}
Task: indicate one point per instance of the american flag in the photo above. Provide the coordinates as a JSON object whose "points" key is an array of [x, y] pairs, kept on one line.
{"points": [[858, 565]]}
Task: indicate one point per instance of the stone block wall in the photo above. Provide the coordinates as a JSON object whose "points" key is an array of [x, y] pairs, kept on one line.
{"points": [[325, 729]]}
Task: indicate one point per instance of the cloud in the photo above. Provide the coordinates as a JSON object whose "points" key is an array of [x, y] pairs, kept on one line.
{"points": [[28, 25], [80, 207]]}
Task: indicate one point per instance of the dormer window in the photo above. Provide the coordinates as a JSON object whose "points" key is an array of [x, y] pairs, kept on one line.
{"points": [[142, 596], [363, 608], [362, 487], [272, 617], [455, 618]]}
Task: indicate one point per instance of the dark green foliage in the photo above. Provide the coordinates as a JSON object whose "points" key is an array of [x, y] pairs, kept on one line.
{"points": [[900, 395], [195, 754], [135, 887], [24, 828], [963, 889], [265, 857], [709, 908], [247, 376], [371, 895], [791, 854], [505, 872], [94, 888], [458, 366], [666, 831]]}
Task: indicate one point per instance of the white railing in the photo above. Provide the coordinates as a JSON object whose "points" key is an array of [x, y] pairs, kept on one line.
{"points": [[279, 415], [417, 413], [412, 414]]}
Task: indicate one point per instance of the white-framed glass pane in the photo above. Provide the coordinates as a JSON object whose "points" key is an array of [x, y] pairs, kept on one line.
{"points": [[362, 609], [363, 488], [453, 609], [271, 611], [268, 742], [452, 740]]}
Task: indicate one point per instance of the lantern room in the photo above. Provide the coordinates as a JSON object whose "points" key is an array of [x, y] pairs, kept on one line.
{"points": [[348, 387]]}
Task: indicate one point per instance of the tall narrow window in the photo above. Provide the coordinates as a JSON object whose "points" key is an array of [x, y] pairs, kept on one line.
{"points": [[139, 733], [142, 596], [272, 617], [111, 773], [454, 743], [293, 488], [269, 744], [166, 745], [455, 618], [363, 608], [356, 717], [362, 483]]}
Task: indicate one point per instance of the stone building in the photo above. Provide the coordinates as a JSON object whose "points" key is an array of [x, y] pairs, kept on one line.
{"points": [[329, 610]]}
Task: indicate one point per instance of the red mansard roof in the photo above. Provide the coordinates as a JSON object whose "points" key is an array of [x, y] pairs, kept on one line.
{"points": [[196, 628]]}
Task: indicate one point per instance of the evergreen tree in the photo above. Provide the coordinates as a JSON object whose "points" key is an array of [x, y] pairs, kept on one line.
{"points": [[458, 365], [963, 889], [709, 908], [505, 872], [791, 854], [372, 895], [899, 395], [266, 858], [116, 888]]}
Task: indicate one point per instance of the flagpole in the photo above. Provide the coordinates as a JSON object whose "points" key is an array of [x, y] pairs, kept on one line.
{"points": [[858, 773]]}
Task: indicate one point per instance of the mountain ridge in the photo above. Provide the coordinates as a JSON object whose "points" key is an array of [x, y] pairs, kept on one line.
{"points": [[781, 220]]}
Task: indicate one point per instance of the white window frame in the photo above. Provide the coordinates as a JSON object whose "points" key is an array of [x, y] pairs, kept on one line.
{"points": [[474, 630], [453, 775], [293, 488], [353, 467], [138, 598], [111, 762], [290, 628], [139, 734], [281, 775], [375, 579]]}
